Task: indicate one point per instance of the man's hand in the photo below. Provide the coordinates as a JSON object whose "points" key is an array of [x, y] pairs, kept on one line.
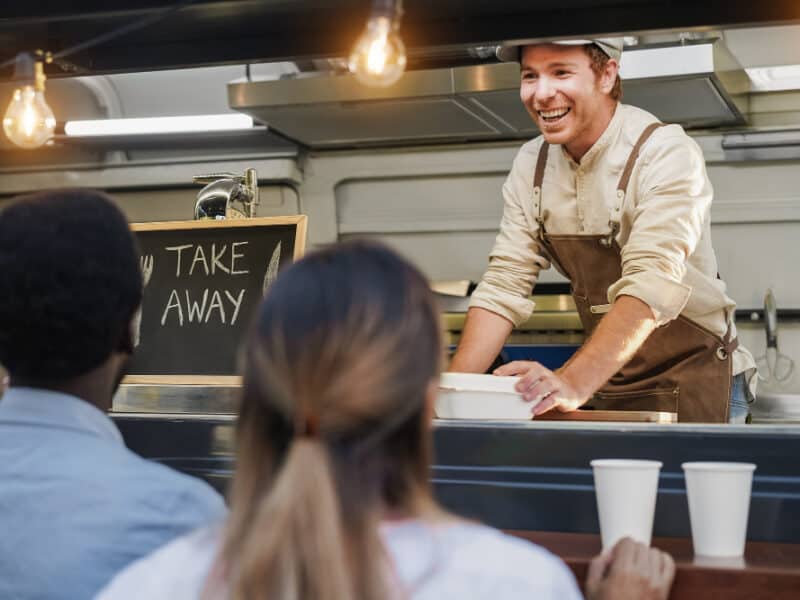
{"points": [[618, 336], [630, 571], [545, 388]]}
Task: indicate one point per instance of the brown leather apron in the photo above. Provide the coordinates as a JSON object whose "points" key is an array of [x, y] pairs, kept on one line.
{"points": [[681, 367]]}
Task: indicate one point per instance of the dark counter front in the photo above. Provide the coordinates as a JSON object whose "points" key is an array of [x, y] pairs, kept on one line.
{"points": [[536, 476]]}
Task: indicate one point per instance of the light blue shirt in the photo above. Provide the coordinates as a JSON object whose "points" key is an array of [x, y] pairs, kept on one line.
{"points": [[76, 505]]}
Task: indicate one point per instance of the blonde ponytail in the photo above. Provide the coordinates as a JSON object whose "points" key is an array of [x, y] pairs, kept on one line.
{"points": [[295, 548], [332, 430]]}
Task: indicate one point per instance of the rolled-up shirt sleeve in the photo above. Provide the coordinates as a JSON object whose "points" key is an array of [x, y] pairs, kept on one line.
{"points": [[672, 208], [515, 259]]}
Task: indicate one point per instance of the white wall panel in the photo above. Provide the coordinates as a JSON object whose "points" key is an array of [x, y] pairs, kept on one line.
{"points": [[469, 202], [756, 229], [755, 256]]}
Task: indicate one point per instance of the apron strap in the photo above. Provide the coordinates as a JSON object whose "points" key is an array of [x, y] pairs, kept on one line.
{"points": [[622, 186], [728, 344], [538, 177]]}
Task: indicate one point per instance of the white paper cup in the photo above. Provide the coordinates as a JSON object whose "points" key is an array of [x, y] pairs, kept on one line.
{"points": [[719, 501], [626, 498]]}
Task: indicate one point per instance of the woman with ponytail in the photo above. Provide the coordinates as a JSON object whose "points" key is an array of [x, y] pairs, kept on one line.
{"points": [[331, 497]]}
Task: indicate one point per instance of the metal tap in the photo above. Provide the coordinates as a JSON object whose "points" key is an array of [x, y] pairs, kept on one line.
{"points": [[215, 200]]}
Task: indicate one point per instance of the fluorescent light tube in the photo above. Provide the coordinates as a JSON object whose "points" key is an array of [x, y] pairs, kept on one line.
{"points": [[149, 125]]}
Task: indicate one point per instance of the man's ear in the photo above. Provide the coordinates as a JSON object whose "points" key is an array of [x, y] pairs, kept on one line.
{"points": [[609, 75], [129, 338]]}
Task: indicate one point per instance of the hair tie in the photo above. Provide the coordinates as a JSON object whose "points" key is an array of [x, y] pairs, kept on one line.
{"points": [[306, 426]]}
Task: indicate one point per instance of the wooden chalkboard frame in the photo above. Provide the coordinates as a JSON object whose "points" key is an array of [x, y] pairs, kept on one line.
{"points": [[301, 225]]}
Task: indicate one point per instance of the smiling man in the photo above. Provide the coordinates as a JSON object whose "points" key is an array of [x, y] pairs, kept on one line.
{"points": [[620, 205]]}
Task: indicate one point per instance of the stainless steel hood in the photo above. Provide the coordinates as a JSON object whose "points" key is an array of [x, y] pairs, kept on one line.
{"points": [[696, 84]]}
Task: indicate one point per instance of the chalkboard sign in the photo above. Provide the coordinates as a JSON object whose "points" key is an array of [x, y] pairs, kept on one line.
{"points": [[203, 282]]}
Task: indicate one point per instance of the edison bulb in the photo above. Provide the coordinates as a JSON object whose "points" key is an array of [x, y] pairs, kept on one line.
{"points": [[29, 122], [379, 56]]}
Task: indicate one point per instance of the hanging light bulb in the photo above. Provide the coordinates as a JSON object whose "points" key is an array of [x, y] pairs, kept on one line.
{"points": [[379, 56], [29, 122]]}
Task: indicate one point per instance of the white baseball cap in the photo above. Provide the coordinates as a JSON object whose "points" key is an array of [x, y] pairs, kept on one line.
{"points": [[611, 46]]}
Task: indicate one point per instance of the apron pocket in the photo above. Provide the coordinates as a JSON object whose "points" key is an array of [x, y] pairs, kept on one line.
{"points": [[661, 400]]}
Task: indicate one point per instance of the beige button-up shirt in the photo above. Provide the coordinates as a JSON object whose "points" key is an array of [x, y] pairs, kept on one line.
{"points": [[665, 237]]}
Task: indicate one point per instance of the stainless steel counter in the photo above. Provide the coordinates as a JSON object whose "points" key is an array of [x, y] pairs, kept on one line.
{"points": [[177, 399], [202, 401]]}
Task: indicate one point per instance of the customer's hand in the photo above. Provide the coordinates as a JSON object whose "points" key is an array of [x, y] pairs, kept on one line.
{"points": [[630, 570]]}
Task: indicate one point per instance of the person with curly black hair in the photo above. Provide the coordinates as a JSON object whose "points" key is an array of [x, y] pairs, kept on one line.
{"points": [[75, 504]]}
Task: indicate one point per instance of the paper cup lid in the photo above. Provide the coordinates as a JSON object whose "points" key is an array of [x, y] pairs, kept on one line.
{"points": [[626, 463], [718, 466]]}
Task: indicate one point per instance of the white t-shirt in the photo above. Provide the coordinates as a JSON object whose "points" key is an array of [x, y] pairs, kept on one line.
{"points": [[433, 561]]}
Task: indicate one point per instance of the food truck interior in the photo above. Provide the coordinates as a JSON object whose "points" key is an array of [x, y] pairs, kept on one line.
{"points": [[419, 165]]}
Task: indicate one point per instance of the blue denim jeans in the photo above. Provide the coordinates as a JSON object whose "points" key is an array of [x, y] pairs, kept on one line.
{"points": [[739, 407]]}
